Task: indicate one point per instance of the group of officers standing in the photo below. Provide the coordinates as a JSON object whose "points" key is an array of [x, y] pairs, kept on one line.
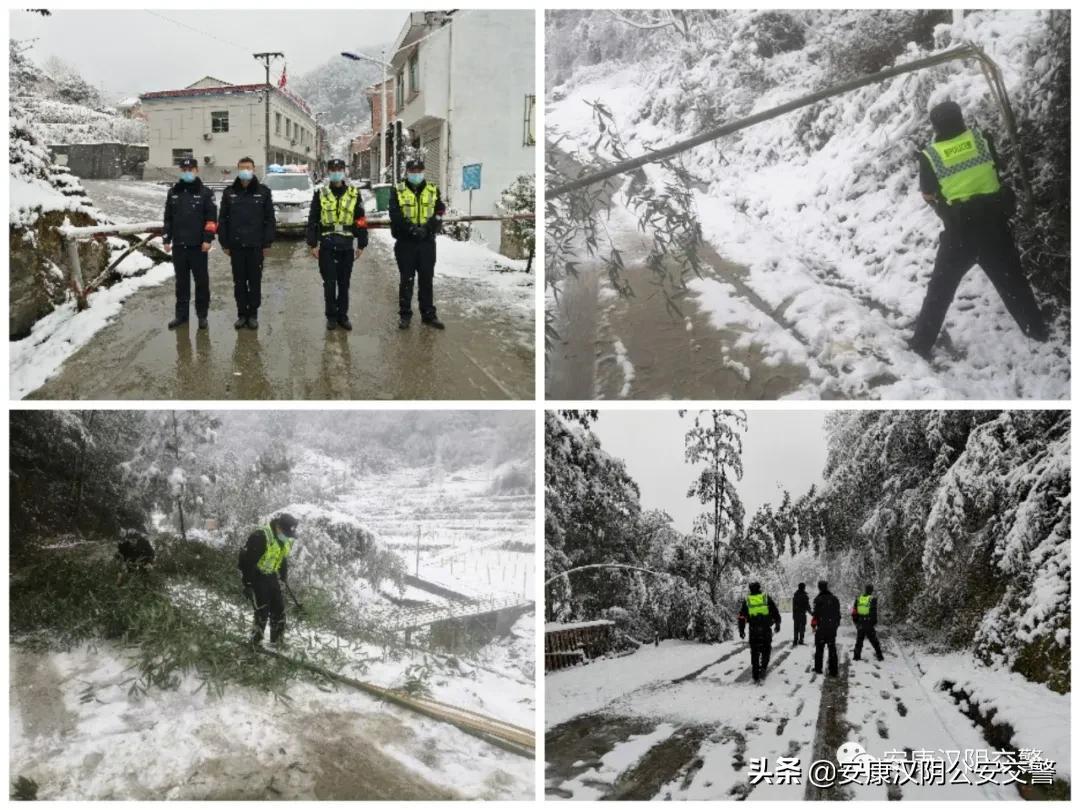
{"points": [[759, 613], [337, 235]]}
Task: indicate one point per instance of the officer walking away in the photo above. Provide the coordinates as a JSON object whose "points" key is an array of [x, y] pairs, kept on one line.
{"points": [[826, 621], [246, 231], [760, 612], [416, 211], [190, 225], [958, 176], [264, 567], [336, 218], [864, 614], [800, 606]]}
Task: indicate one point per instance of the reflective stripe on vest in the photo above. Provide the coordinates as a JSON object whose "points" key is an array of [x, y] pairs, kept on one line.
{"points": [[862, 605], [757, 604], [964, 166], [417, 211], [276, 551], [337, 212]]}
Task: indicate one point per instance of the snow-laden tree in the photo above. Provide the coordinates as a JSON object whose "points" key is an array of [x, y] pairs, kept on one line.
{"points": [[715, 441], [961, 519], [170, 467]]}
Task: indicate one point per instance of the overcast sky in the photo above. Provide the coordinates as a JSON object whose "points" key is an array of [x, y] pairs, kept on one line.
{"points": [[781, 449], [132, 52]]}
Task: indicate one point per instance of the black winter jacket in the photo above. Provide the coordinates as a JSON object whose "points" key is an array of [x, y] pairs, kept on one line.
{"points": [[190, 214], [314, 223], [250, 555], [401, 229], [826, 612], [800, 603], [247, 216]]}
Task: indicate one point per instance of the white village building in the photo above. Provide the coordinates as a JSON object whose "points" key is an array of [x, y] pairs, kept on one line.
{"points": [[465, 85], [218, 123]]}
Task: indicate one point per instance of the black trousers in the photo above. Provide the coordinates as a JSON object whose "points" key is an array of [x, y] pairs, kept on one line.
{"points": [[247, 267], [188, 263], [416, 260], [864, 631], [823, 639], [799, 622], [760, 651], [983, 239], [336, 258], [269, 605]]}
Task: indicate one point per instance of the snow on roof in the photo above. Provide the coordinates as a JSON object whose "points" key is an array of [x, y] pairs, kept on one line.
{"points": [[225, 90], [557, 627]]}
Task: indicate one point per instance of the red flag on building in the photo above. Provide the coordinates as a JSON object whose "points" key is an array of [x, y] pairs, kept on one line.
{"points": [[283, 80]]}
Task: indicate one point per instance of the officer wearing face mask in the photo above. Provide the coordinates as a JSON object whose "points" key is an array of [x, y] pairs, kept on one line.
{"points": [[246, 231], [416, 211], [190, 225], [336, 218]]}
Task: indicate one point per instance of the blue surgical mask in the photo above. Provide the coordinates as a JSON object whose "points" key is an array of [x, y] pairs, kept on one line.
{"points": [[337, 177], [246, 174], [416, 179], [187, 177]]}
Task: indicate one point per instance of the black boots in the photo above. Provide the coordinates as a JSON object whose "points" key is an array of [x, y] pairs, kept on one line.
{"points": [[176, 323], [434, 323]]}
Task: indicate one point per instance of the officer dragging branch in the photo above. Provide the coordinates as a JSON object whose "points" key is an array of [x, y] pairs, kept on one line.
{"points": [[190, 225]]}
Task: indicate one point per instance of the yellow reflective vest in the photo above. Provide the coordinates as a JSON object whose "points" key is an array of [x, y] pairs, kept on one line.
{"points": [[757, 604], [275, 553], [417, 209], [964, 166], [338, 214], [862, 605]]}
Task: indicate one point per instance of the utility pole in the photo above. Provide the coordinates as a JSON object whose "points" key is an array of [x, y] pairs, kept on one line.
{"points": [[418, 551], [266, 58]]}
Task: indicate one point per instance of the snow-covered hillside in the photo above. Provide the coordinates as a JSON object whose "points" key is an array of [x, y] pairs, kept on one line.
{"points": [[817, 212], [336, 90]]}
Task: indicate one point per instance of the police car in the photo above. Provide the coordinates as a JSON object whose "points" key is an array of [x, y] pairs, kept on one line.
{"points": [[292, 191]]}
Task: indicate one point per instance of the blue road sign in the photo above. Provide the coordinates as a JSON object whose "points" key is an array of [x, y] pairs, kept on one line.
{"points": [[470, 177]]}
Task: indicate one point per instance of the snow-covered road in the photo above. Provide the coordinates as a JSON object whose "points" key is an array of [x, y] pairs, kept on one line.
{"points": [[691, 734], [125, 352], [77, 730]]}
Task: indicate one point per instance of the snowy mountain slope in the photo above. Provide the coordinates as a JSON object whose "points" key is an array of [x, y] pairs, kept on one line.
{"points": [[820, 207], [336, 90]]}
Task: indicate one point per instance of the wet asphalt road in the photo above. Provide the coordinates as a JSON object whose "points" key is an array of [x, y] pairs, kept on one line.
{"points": [[483, 354]]}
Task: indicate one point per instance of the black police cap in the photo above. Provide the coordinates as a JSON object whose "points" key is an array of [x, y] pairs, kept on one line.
{"points": [[189, 163], [335, 163], [414, 163]]}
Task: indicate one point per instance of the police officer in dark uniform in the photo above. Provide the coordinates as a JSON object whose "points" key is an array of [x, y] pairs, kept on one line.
{"points": [[264, 567], [246, 231], [800, 606], [760, 612], [190, 225], [959, 178], [416, 211], [864, 614], [336, 218], [825, 621]]}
